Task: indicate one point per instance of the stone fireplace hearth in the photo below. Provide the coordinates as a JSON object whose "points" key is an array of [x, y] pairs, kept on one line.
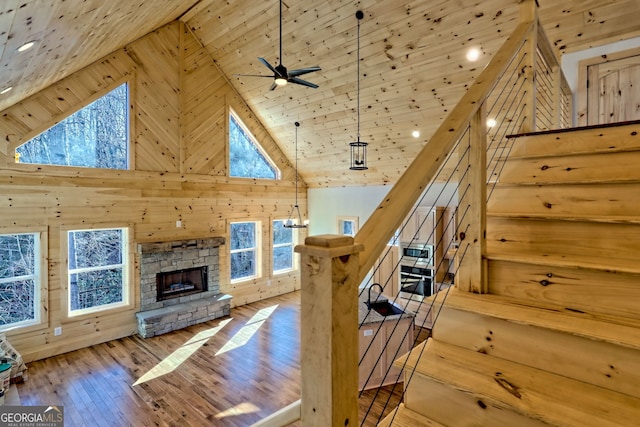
{"points": [[183, 263]]}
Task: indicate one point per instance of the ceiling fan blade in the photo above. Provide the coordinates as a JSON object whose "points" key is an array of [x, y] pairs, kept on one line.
{"points": [[303, 82], [301, 71], [269, 66]]}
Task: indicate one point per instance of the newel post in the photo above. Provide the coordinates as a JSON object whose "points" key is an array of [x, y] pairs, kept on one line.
{"points": [[472, 271], [329, 330]]}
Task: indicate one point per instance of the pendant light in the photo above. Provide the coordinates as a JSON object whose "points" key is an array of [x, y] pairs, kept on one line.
{"points": [[358, 148], [292, 221]]}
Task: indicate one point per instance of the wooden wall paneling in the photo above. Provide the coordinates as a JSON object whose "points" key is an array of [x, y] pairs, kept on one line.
{"points": [[606, 202], [608, 246], [205, 112], [579, 168], [617, 293], [157, 100], [585, 141], [150, 200]]}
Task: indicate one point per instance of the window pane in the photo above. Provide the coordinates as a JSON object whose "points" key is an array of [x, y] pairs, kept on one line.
{"points": [[95, 248], [243, 235], [95, 288], [96, 136], [96, 270], [243, 264], [282, 258], [245, 158], [19, 279], [281, 234], [347, 228], [17, 301], [17, 255]]}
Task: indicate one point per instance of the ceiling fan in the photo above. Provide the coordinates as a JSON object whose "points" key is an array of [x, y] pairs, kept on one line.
{"points": [[281, 76]]}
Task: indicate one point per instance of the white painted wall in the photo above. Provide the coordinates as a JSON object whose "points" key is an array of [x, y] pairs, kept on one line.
{"points": [[327, 204]]}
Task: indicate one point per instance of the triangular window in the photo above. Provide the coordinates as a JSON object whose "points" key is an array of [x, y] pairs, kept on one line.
{"points": [[246, 157], [97, 136]]}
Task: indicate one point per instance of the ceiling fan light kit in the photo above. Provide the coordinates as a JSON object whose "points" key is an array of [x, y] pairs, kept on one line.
{"points": [[358, 148]]}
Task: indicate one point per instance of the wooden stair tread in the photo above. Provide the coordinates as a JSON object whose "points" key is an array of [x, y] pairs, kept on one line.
{"points": [[615, 330], [626, 137], [537, 394], [404, 417], [568, 261]]}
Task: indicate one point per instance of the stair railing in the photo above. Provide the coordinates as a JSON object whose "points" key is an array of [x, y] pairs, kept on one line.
{"points": [[451, 172], [530, 94]]}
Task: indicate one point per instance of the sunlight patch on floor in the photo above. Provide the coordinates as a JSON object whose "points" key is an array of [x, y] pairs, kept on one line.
{"points": [[175, 359], [241, 409], [248, 330]]}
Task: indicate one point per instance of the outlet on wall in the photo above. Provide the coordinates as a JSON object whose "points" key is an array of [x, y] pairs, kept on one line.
{"points": [[57, 331], [178, 224]]}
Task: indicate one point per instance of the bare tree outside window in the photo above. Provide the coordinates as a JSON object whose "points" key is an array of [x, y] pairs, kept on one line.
{"points": [[244, 255], [246, 159], [282, 247], [97, 136], [96, 268], [19, 279]]}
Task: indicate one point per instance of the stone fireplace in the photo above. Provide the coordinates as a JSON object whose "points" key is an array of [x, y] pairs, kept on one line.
{"points": [[179, 285]]}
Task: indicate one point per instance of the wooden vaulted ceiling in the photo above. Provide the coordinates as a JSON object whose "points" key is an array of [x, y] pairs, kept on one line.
{"points": [[412, 70]]}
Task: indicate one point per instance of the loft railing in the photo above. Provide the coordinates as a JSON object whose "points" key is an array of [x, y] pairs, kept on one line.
{"points": [[522, 89]]}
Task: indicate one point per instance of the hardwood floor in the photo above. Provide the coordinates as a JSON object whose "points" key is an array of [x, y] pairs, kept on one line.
{"points": [[232, 371]]}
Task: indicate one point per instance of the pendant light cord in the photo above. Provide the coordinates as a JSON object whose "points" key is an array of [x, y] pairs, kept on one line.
{"points": [[297, 125], [280, 59], [359, 17]]}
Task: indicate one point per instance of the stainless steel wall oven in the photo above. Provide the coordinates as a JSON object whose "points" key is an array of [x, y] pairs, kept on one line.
{"points": [[416, 271]]}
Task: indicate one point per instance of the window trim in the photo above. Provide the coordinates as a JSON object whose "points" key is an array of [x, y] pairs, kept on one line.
{"points": [[294, 242], [257, 249], [127, 273], [41, 288], [131, 112], [232, 113]]}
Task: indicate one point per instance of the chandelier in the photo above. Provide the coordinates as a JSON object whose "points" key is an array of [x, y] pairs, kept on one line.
{"points": [[358, 148], [295, 218]]}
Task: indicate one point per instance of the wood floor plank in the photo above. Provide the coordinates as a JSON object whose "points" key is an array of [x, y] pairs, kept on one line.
{"points": [[228, 372]]}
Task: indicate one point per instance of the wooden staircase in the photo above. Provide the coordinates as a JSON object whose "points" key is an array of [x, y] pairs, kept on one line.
{"points": [[556, 340]]}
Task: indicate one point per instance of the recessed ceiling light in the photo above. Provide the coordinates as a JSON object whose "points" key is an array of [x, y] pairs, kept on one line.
{"points": [[26, 46], [491, 123], [5, 90], [415, 133], [473, 54]]}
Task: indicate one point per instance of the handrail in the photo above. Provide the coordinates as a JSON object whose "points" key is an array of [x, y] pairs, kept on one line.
{"points": [[389, 214]]}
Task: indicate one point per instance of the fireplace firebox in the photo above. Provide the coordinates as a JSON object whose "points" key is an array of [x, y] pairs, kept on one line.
{"points": [[174, 284]]}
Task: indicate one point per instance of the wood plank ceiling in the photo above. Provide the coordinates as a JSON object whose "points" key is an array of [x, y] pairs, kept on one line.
{"points": [[412, 71]]}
